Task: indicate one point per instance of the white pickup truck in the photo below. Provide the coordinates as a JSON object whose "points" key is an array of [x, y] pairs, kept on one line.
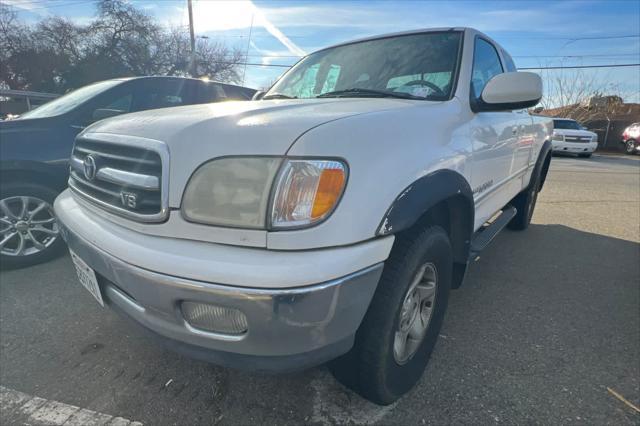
{"points": [[325, 222]]}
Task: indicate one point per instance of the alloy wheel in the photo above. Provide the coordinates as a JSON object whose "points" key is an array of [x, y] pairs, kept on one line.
{"points": [[27, 226], [415, 314]]}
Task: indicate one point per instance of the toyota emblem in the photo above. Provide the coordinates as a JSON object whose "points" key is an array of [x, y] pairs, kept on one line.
{"points": [[89, 167]]}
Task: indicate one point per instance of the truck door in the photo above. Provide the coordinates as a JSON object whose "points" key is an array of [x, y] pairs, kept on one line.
{"points": [[495, 136], [523, 149]]}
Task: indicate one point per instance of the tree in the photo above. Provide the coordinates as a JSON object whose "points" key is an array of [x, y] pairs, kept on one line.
{"points": [[57, 54], [579, 95]]}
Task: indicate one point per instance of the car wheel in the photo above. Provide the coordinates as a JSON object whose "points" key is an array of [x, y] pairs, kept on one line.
{"points": [[29, 233], [585, 155], [401, 326], [525, 204], [630, 146]]}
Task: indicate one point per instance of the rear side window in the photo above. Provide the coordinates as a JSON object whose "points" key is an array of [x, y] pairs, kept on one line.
{"points": [[486, 65]]}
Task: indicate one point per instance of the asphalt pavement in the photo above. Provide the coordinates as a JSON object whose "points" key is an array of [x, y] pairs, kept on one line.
{"points": [[547, 321]]}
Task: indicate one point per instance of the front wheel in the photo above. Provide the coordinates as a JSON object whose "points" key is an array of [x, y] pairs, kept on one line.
{"points": [[630, 146], [29, 233], [525, 204], [401, 326]]}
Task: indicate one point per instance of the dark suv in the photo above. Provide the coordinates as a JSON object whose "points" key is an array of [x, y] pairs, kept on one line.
{"points": [[35, 147]]}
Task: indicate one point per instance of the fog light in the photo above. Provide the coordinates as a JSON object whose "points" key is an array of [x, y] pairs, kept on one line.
{"points": [[217, 319]]}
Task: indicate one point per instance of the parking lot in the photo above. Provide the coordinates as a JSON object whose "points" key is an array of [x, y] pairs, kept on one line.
{"points": [[547, 320]]}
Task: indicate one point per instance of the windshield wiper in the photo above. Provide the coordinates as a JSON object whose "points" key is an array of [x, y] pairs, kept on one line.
{"points": [[279, 96], [356, 91]]}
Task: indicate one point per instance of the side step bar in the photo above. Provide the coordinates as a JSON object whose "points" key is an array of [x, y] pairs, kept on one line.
{"points": [[488, 231]]}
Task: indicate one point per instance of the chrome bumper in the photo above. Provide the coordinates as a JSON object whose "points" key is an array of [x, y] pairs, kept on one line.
{"points": [[288, 329]]}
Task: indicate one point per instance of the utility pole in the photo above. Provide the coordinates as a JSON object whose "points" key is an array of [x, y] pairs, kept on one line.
{"points": [[192, 64]]}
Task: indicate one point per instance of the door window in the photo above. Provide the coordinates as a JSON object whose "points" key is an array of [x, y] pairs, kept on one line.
{"points": [[122, 104], [119, 99], [486, 65], [211, 92], [162, 93]]}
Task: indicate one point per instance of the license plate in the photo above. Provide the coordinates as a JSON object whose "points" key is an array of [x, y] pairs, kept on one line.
{"points": [[87, 277]]}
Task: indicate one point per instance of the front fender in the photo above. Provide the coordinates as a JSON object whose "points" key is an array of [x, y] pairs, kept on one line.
{"points": [[430, 190]]}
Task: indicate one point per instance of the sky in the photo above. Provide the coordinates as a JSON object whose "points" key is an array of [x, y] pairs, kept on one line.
{"points": [[536, 33]]}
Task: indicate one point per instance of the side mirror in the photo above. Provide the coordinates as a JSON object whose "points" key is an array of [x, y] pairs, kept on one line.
{"points": [[509, 91], [258, 95], [102, 113]]}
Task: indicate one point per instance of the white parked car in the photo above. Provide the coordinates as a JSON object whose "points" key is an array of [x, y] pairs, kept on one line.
{"points": [[572, 138], [327, 221]]}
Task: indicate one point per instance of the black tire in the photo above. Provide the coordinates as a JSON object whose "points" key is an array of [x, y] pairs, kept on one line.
{"points": [[16, 189], [630, 147], [525, 203], [585, 155], [370, 368]]}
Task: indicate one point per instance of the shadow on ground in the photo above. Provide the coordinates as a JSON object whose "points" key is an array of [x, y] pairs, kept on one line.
{"points": [[546, 321]]}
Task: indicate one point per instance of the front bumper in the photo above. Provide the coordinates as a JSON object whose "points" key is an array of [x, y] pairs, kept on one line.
{"points": [[574, 147], [288, 328]]}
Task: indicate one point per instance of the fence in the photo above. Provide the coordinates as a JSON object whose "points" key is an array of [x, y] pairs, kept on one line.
{"points": [[19, 101]]}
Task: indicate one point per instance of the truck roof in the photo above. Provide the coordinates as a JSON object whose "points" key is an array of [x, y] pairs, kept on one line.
{"points": [[408, 32]]}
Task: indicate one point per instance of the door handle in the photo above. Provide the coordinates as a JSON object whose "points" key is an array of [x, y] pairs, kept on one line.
{"points": [[514, 130]]}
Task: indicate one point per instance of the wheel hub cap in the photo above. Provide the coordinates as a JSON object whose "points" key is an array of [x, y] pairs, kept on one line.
{"points": [[415, 314]]}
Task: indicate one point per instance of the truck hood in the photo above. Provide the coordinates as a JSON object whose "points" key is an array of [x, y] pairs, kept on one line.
{"points": [[198, 133], [238, 128]]}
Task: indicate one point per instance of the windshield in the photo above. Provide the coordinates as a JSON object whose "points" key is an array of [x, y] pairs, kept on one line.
{"points": [[69, 101], [566, 124], [420, 66]]}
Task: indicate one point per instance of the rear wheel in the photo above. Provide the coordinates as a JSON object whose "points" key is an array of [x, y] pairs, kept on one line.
{"points": [[585, 155], [29, 233], [401, 327], [630, 146]]}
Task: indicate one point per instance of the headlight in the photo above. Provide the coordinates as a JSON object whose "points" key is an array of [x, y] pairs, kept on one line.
{"points": [[236, 192], [594, 138], [230, 192], [307, 191], [558, 137]]}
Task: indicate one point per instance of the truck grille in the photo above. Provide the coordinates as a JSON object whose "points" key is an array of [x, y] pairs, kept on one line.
{"points": [[124, 177], [577, 138]]}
